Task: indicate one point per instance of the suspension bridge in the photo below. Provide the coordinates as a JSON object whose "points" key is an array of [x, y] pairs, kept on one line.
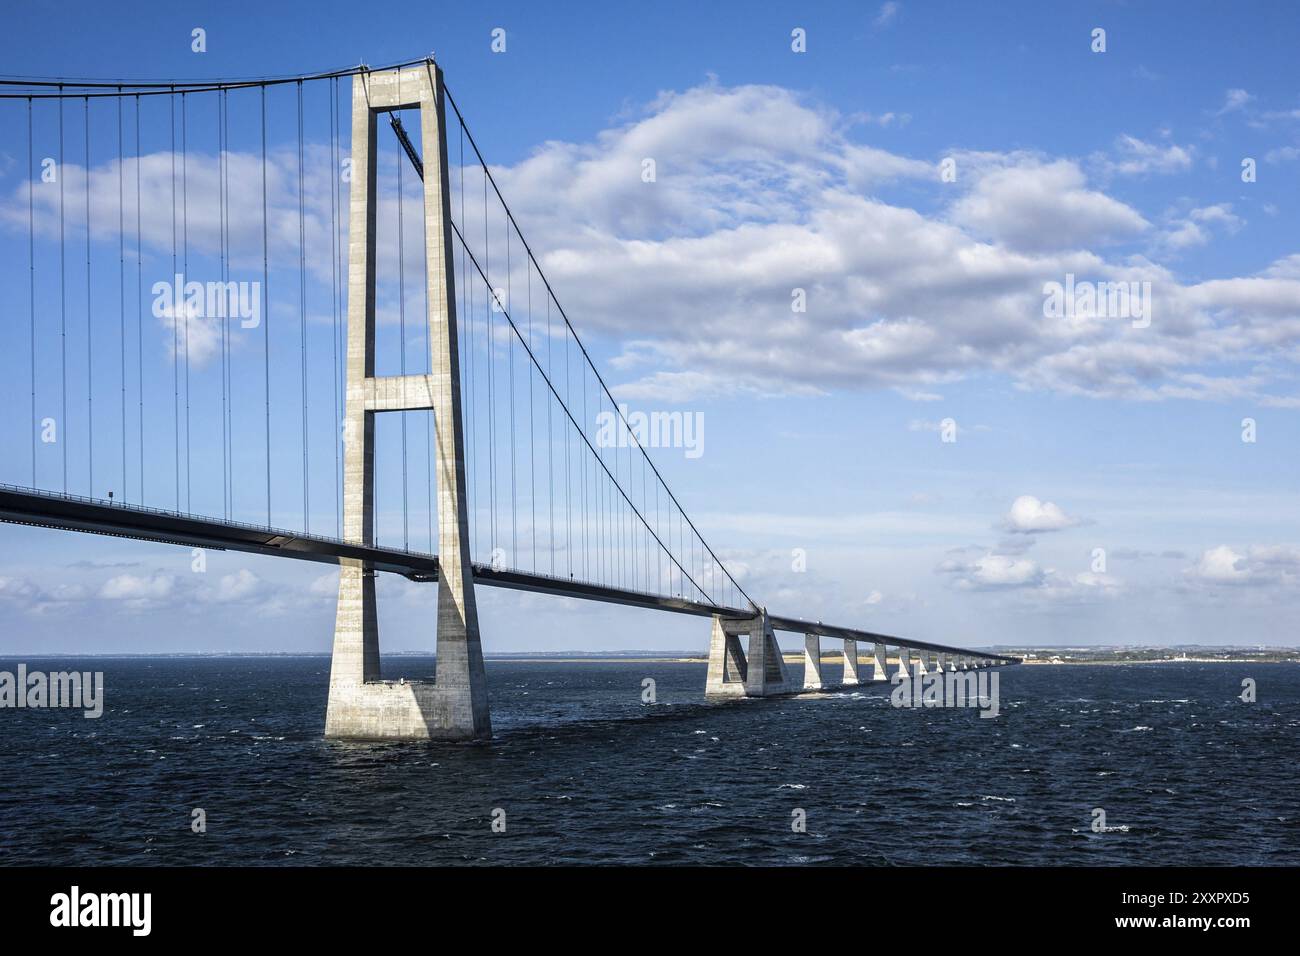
{"points": [[336, 338]]}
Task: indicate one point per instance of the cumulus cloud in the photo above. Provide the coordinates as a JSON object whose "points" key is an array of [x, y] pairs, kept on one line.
{"points": [[1255, 565], [1011, 573], [1193, 229], [236, 587], [37, 598], [761, 191], [993, 571], [1040, 207], [133, 587], [1029, 515], [1136, 157]]}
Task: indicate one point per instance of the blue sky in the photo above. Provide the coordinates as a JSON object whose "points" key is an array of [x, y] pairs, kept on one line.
{"points": [[817, 170]]}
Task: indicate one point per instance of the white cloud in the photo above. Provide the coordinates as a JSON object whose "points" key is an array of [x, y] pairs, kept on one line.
{"points": [[1137, 157], [132, 587], [1029, 515], [888, 13], [1259, 565], [1192, 230], [37, 598], [1220, 564], [994, 571], [759, 192], [1039, 207], [237, 587], [1096, 581], [1233, 100]]}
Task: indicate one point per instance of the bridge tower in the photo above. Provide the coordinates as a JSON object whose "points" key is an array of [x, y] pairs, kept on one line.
{"points": [[455, 704]]}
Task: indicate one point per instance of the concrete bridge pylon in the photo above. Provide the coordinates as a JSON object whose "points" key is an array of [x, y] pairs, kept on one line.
{"points": [[455, 704]]}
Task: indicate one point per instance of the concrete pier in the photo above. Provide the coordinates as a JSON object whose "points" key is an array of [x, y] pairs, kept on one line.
{"points": [[727, 664], [757, 671], [455, 704], [851, 678], [904, 666], [812, 662], [878, 669]]}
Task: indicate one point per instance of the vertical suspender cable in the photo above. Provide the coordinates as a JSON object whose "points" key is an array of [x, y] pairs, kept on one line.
{"points": [[139, 294], [334, 290], [31, 272], [230, 358], [568, 496], [532, 431], [63, 308], [121, 279], [585, 546], [90, 362], [302, 304], [185, 269], [489, 301], [176, 328], [467, 291], [550, 441], [401, 326], [266, 317], [222, 149], [514, 525], [177, 305]]}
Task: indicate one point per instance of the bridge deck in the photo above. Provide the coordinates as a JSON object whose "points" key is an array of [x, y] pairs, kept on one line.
{"points": [[44, 509]]}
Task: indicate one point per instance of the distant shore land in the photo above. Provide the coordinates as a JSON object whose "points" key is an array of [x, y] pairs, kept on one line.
{"points": [[1029, 655]]}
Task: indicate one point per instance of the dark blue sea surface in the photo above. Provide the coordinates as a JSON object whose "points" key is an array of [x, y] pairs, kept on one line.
{"points": [[586, 773]]}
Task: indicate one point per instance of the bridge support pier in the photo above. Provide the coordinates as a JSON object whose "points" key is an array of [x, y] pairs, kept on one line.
{"points": [[851, 678], [758, 671], [878, 669], [904, 666], [812, 662], [455, 704]]}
